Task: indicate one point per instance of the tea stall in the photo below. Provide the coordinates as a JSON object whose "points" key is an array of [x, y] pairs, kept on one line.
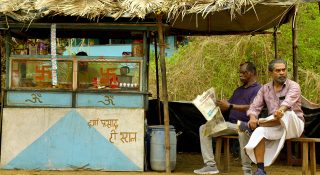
{"points": [[68, 110]]}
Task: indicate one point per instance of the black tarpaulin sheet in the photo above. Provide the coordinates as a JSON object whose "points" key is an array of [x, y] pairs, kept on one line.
{"points": [[186, 118]]}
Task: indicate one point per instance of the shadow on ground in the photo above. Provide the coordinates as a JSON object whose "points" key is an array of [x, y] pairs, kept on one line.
{"points": [[185, 164]]}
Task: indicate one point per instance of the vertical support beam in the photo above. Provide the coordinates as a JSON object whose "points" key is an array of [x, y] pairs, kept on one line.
{"points": [[147, 55], [157, 77], [275, 42], [164, 92], [305, 158], [145, 69], [54, 65], [7, 40], [218, 151], [313, 163], [289, 152], [226, 147], [74, 73], [294, 44], [8, 51], [1, 38]]}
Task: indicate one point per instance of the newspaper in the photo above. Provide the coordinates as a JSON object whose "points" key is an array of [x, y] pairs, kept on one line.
{"points": [[211, 112], [271, 118], [206, 104]]}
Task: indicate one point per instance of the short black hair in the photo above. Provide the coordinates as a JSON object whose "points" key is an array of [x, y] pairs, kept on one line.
{"points": [[273, 62], [81, 53], [250, 67]]}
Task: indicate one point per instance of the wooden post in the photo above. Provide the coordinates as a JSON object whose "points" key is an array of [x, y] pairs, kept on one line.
{"points": [[294, 44], [2, 89], [8, 51], [157, 78], [275, 42], [164, 92], [7, 37], [145, 67], [305, 158]]}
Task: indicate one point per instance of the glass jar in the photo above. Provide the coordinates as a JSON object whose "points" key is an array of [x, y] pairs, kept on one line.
{"points": [[137, 48]]}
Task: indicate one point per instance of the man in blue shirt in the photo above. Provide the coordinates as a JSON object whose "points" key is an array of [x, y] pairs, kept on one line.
{"points": [[237, 106]]}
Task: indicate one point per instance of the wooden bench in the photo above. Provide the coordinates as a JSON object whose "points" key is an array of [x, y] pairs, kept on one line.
{"points": [[225, 140], [306, 142]]}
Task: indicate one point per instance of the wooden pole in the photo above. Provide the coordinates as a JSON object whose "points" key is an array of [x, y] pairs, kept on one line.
{"points": [[2, 89], [157, 78], [294, 44], [164, 92], [7, 37], [275, 42]]}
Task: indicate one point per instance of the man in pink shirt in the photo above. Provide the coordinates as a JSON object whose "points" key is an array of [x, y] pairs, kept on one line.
{"points": [[283, 100]]}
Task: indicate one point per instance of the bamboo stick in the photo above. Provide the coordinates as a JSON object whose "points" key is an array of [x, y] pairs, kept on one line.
{"points": [[294, 44], [164, 91], [275, 42], [157, 77]]}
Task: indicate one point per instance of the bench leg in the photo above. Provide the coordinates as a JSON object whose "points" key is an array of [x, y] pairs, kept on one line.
{"points": [[289, 153], [226, 154], [218, 150], [313, 165], [305, 158]]}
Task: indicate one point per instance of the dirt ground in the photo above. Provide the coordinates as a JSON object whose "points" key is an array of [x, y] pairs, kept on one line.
{"points": [[185, 164]]}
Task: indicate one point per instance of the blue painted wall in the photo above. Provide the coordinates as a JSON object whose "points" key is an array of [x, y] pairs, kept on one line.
{"points": [[70, 143], [109, 100], [38, 98], [117, 49], [100, 50]]}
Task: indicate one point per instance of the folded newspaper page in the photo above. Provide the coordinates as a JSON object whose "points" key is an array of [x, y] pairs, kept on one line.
{"points": [[267, 119], [215, 125], [207, 106]]}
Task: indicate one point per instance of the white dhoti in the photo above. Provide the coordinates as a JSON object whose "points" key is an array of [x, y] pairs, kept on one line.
{"points": [[291, 127]]}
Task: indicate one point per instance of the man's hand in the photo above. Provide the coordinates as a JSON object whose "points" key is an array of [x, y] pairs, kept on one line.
{"points": [[223, 104], [253, 122], [278, 114]]}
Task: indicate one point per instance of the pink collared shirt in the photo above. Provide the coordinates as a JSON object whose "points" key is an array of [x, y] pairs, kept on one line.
{"points": [[289, 96]]}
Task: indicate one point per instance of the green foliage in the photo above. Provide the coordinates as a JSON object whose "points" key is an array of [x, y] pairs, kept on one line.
{"points": [[308, 34], [214, 61]]}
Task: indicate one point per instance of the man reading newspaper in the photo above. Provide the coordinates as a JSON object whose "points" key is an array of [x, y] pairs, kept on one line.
{"points": [[216, 126]]}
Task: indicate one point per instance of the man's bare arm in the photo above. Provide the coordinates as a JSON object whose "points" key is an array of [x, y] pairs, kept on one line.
{"points": [[225, 105], [242, 108]]}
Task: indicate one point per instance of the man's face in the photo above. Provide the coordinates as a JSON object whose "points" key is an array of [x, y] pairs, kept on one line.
{"points": [[245, 75], [279, 73]]}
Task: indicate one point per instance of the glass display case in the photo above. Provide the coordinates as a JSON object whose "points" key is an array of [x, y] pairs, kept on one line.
{"points": [[36, 73], [92, 73], [109, 74]]}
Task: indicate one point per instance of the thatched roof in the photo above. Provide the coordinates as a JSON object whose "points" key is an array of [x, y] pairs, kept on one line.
{"points": [[186, 17], [28, 10]]}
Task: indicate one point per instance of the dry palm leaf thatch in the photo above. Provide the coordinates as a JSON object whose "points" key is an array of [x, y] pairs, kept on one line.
{"points": [[22, 10], [83, 8], [27, 10], [141, 8]]}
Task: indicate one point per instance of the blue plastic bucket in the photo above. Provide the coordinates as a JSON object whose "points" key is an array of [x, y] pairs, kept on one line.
{"points": [[157, 148]]}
